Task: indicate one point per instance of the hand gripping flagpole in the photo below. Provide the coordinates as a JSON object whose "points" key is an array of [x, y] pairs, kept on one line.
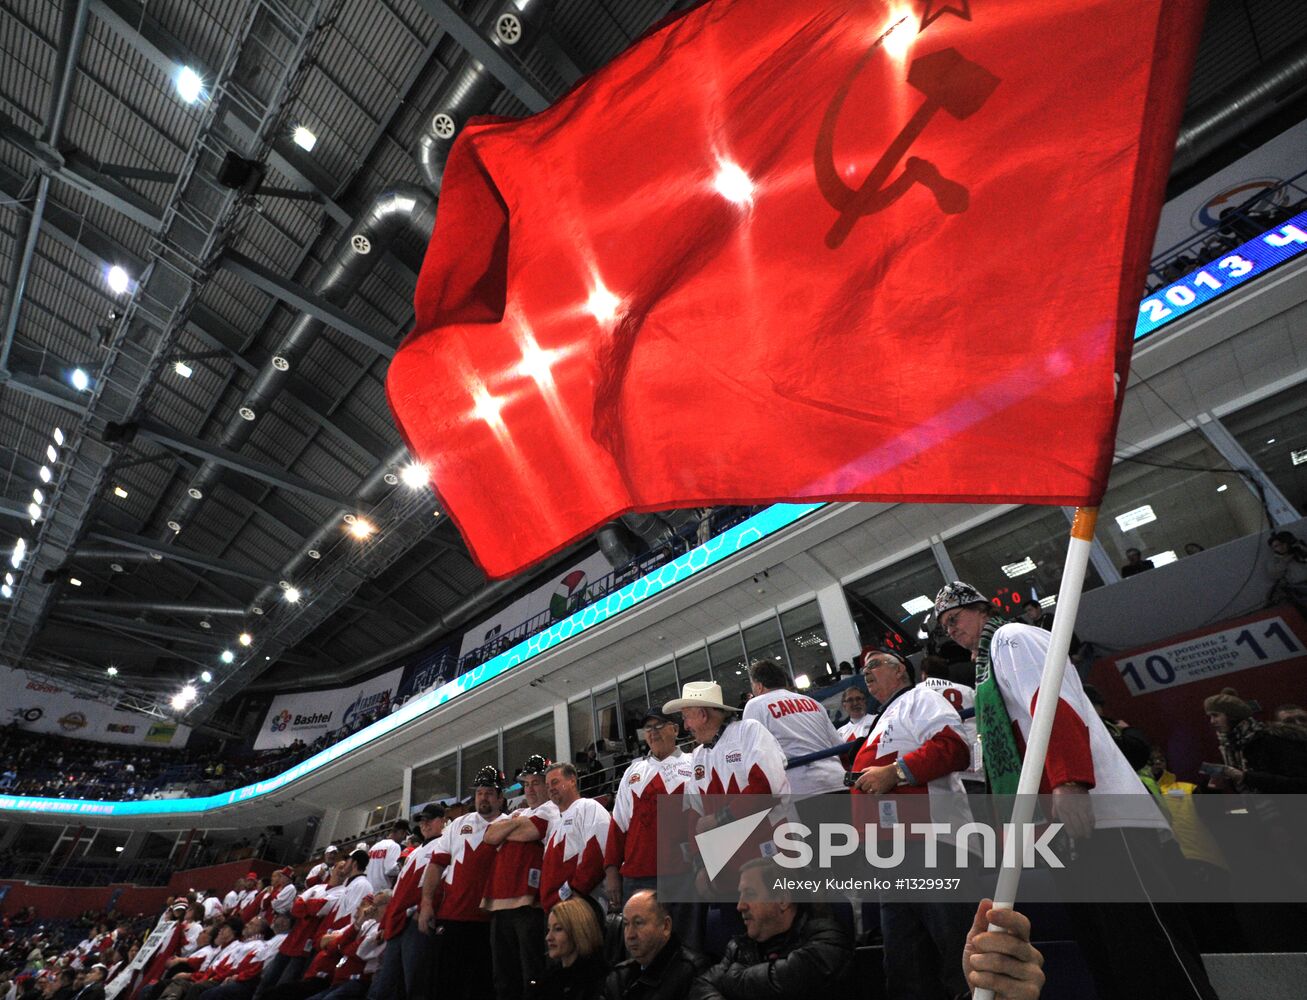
{"points": [[1050, 683]]}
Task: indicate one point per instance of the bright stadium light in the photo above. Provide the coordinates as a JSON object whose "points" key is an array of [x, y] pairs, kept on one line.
{"points": [[292, 594], [52, 453], [189, 692], [80, 380], [206, 676], [20, 550], [117, 279], [361, 528], [6, 590], [415, 475], [245, 639], [59, 437], [112, 671], [189, 85], [182, 369], [45, 473], [303, 138], [228, 656], [178, 703], [34, 511]]}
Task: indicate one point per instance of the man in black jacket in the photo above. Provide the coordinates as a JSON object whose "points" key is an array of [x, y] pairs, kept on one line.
{"points": [[660, 967], [795, 951], [786, 950]]}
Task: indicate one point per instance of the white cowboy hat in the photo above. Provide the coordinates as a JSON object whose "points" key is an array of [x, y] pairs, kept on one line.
{"points": [[699, 694]]}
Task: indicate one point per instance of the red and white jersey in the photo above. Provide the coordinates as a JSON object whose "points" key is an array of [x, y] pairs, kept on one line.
{"points": [[407, 894], [383, 864], [318, 874], [920, 729], [346, 903], [307, 910], [190, 936], [515, 875], [963, 700], [466, 857], [222, 964], [574, 852], [745, 759], [252, 903], [279, 902], [359, 951], [249, 965], [801, 726], [855, 729], [633, 836], [212, 907], [271, 947], [231, 901], [1080, 747]]}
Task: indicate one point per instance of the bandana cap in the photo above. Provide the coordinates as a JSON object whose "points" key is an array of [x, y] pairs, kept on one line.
{"points": [[957, 595]]}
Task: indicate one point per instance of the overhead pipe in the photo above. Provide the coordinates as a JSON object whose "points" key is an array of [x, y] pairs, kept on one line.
{"points": [[399, 208], [72, 31], [152, 607], [657, 529], [404, 207], [373, 487], [1238, 109], [473, 89]]}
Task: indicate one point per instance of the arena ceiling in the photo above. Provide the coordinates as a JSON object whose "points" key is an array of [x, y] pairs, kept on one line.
{"points": [[219, 398]]}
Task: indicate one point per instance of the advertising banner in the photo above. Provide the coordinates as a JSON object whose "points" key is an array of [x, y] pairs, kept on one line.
{"points": [[1160, 688], [1201, 206], [307, 715], [567, 592], [43, 706]]}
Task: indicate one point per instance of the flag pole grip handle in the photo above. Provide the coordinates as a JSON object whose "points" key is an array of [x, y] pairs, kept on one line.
{"points": [[1041, 726]]}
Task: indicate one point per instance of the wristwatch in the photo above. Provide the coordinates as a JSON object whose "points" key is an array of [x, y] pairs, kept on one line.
{"points": [[901, 772]]}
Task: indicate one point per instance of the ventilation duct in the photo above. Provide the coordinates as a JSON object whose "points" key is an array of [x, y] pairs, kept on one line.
{"points": [[330, 532], [129, 606], [404, 206], [1240, 108], [613, 539], [660, 528], [473, 88]]}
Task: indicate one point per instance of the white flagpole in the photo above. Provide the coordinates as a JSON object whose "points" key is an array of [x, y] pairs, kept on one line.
{"points": [[1050, 690]]}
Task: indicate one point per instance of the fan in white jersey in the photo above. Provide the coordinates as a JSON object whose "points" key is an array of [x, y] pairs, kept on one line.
{"points": [[733, 757], [962, 698], [320, 872], [800, 725], [1093, 789], [854, 704], [383, 857], [631, 855]]}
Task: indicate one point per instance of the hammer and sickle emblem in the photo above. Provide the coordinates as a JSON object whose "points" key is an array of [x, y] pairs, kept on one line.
{"points": [[948, 81]]}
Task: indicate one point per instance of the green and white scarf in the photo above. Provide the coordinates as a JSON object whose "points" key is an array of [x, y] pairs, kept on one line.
{"points": [[998, 746]]}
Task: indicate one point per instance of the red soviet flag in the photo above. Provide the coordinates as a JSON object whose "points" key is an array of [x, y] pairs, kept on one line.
{"points": [[807, 249]]}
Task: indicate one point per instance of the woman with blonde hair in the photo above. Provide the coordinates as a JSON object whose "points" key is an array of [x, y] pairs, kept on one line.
{"points": [[574, 939]]}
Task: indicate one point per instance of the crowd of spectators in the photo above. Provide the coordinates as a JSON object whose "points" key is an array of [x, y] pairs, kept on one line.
{"points": [[52, 766], [548, 885]]}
